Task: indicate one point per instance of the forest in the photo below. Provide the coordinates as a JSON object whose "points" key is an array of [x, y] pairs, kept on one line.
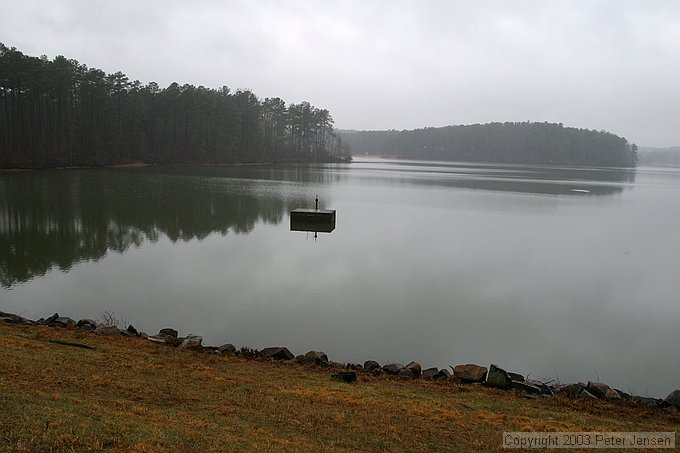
{"points": [[525, 142], [660, 156], [59, 112]]}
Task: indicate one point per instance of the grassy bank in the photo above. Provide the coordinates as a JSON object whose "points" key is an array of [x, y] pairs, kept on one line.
{"points": [[128, 394]]}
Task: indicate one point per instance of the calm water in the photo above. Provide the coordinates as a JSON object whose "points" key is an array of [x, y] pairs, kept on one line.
{"points": [[569, 274]]}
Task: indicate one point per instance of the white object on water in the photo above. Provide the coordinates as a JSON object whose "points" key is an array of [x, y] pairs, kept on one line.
{"points": [[580, 190]]}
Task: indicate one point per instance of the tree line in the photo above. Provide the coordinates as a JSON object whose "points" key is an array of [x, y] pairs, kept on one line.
{"points": [[59, 112], [660, 156], [525, 142]]}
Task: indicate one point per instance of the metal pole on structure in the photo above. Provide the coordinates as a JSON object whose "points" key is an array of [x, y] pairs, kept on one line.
{"points": [[317, 202]]}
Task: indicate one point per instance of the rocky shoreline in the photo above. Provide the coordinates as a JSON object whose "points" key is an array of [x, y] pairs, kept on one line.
{"points": [[471, 374]]}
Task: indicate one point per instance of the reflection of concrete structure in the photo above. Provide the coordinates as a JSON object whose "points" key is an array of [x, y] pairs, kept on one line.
{"points": [[315, 220]]}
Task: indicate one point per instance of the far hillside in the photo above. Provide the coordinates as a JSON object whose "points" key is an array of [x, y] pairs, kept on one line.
{"points": [[660, 156], [530, 143]]}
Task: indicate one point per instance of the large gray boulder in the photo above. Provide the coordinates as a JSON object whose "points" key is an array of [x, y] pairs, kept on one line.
{"points": [[315, 358], [572, 390], [673, 398], [443, 375], [598, 389], [545, 389], [430, 373], [132, 331], [612, 394], [277, 353], [643, 401], [586, 395], [8, 317], [470, 372], [498, 378], [393, 368], [371, 366], [15, 319], [168, 331], [415, 369], [51, 319], [227, 349], [525, 387], [160, 338], [405, 374], [87, 324], [103, 329], [63, 321], [168, 336], [515, 376], [193, 342]]}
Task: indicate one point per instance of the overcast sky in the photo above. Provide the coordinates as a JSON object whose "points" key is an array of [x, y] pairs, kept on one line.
{"points": [[610, 64]]}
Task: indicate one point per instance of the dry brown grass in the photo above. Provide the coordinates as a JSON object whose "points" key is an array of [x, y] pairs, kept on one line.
{"points": [[136, 396]]}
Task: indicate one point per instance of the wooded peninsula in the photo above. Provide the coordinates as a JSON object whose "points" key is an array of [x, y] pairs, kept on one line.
{"points": [[521, 143], [56, 113]]}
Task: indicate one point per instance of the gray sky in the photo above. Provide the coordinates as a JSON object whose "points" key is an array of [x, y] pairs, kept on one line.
{"points": [[608, 64]]}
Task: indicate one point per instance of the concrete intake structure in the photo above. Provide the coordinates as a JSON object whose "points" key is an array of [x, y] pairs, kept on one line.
{"points": [[317, 220]]}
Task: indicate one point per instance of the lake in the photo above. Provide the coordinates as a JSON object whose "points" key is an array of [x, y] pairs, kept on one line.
{"points": [[567, 274]]}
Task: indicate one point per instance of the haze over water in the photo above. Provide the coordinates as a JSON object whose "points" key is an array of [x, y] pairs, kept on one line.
{"points": [[568, 274]]}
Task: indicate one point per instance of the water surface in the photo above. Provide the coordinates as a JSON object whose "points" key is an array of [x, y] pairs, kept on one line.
{"points": [[566, 274]]}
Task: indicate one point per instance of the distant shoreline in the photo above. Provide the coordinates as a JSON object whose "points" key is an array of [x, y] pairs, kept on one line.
{"points": [[153, 164]]}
